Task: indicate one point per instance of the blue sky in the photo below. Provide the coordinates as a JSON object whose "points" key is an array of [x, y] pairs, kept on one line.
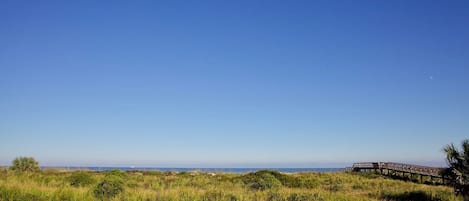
{"points": [[232, 83]]}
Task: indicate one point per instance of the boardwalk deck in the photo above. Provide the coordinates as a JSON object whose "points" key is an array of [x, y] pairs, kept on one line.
{"points": [[387, 167]]}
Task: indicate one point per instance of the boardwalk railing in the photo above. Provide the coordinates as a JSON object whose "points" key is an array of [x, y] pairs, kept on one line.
{"points": [[390, 167]]}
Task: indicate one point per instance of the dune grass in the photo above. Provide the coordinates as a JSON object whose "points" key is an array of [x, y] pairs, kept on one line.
{"points": [[198, 186]]}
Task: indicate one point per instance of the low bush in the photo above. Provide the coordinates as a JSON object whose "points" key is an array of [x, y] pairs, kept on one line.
{"points": [[25, 164], [262, 180], [81, 179], [112, 185], [285, 179], [117, 173]]}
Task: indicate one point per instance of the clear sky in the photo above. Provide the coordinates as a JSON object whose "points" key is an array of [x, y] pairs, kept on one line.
{"points": [[232, 83]]}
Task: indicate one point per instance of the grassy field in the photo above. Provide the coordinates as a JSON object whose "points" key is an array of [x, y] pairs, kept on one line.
{"points": [[264, 185]]}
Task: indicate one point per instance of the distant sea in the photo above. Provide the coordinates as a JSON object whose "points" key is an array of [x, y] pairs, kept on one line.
{"points": [[226, 170]]}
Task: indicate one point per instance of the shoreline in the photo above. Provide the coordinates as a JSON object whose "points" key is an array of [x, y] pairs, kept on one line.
{"points": [[176, 169]]}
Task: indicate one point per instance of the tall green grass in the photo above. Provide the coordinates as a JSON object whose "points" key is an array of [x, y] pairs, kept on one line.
{"points": [[266, 185]]}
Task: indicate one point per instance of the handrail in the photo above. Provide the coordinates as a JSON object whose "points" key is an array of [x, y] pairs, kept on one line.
{"points": [[409, 168]]}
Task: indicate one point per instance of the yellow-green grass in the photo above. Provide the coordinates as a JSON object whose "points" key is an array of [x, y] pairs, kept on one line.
{"points": [[55, 185]]}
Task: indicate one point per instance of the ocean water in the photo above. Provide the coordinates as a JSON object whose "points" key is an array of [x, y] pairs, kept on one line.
{"points": [[227, 170]]}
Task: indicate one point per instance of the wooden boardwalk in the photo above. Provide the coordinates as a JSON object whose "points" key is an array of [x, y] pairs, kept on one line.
{"points": [[390, 168]]}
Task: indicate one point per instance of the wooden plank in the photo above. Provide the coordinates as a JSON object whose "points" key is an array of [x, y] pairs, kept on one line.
{"points": [[401, 167]]}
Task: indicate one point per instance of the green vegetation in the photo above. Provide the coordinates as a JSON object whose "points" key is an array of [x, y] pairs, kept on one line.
{"points": [[112, 185], [25, 164], [169, 186], [458, 171], [262, 180], [81, 179]]}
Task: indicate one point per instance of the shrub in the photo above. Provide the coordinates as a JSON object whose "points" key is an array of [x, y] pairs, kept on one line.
{"points": [[112, 185], [25, 164], [291, 181], [116, 173], [109, 187], [285, 179], [81, 179], [262, 180]]}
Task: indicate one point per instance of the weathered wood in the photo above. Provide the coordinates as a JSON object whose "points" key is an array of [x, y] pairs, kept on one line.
{"points": [[399, 167]]}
